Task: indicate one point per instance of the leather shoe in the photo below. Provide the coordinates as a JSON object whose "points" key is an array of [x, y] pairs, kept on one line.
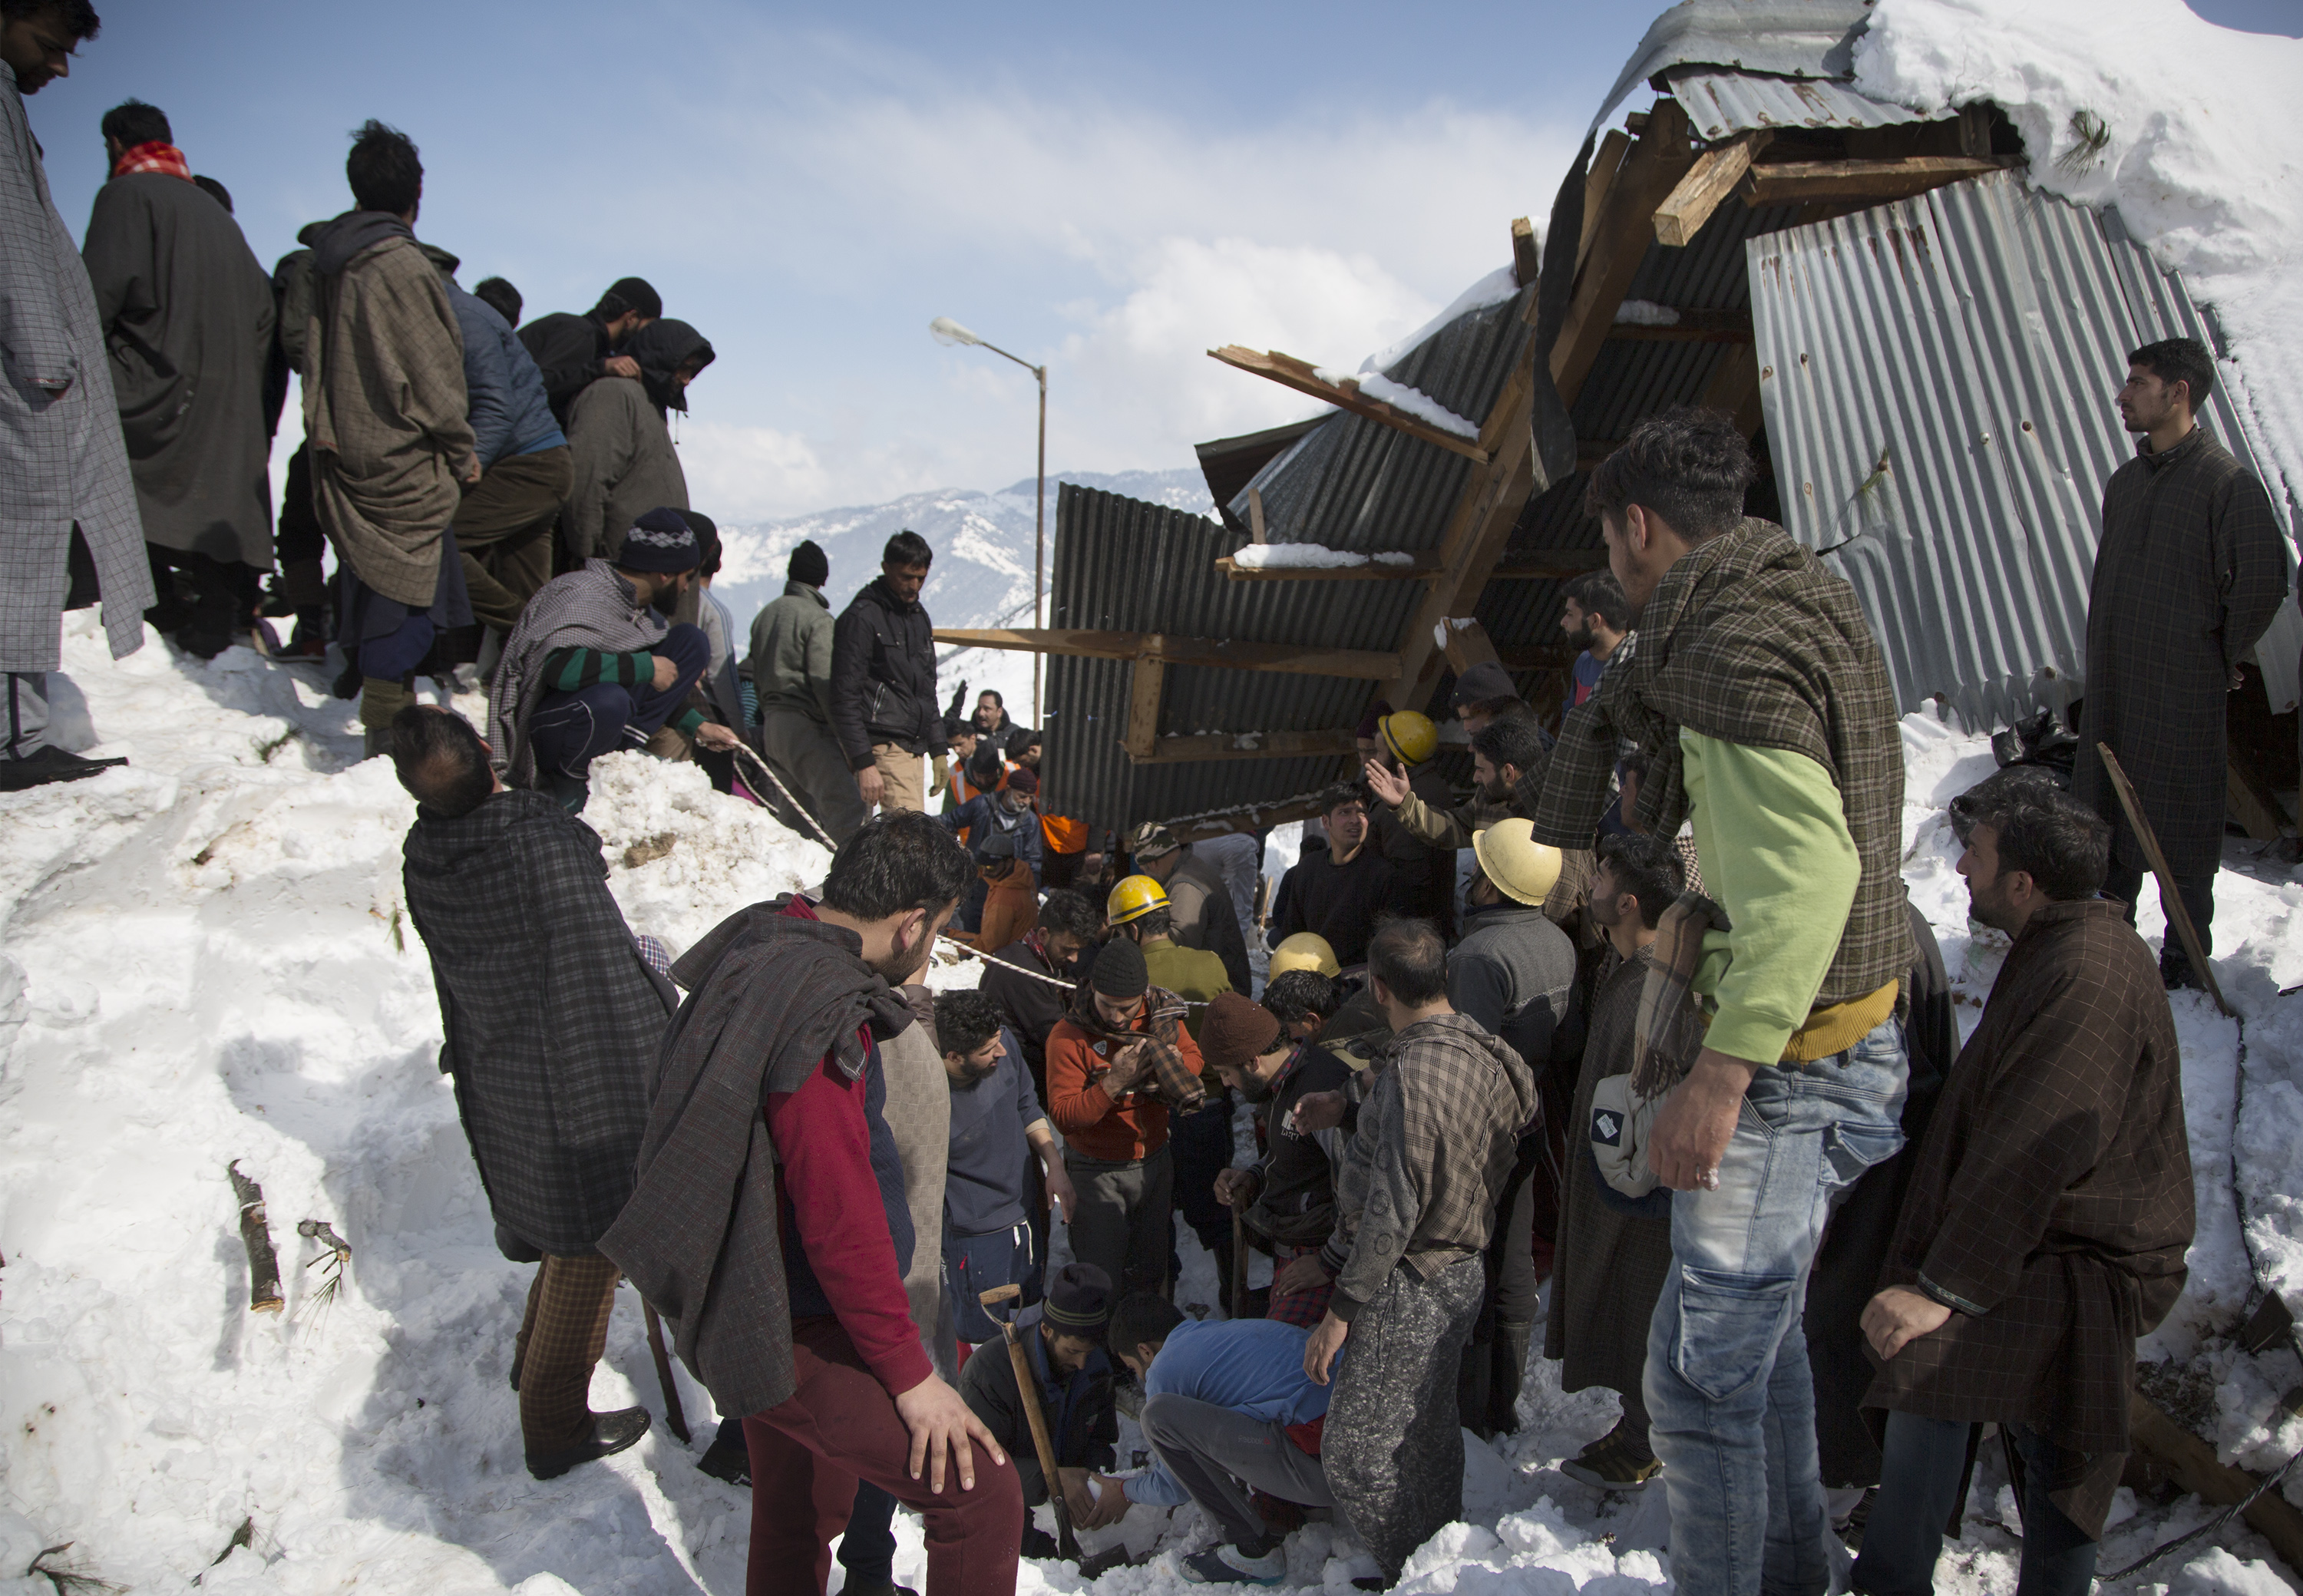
{"points": [[47, 763], [611, 1433]]}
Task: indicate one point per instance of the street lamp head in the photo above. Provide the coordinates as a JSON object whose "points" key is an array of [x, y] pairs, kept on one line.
{"points": [[948, 331]]}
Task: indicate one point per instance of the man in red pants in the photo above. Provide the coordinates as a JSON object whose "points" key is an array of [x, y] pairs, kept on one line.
{"points": [[776, 1239]]}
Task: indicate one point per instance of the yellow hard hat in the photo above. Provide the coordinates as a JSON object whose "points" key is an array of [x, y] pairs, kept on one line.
{"points": [[1306, 950], [1520, 867], [1133, 898], [1412, 737]]}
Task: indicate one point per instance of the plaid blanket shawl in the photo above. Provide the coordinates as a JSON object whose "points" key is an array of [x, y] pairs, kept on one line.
{"points": [[1169, 1079], [1750, 640], [590, 608]]}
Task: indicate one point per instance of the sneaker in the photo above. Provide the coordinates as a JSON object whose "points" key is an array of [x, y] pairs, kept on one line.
{"points": [[47, 763], [611, 1433], [1231, 1565], [1614, 1461]]}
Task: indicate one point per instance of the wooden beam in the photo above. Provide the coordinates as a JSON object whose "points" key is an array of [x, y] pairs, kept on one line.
{"points": [[1619, 242], [1468, 645], [1537, 657], [1793, 182], [1143, 708], [1219, 653], [1709, 182], [1252, 819], [1244, 744], [1527, 260], [1596, 178], [2191, 1463], [1255, 515], [2251, 801], [1534, 565], [1301, 375], [1694, 326]]}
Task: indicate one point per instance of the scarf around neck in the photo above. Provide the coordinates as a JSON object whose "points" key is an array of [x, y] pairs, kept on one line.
{"points": [[155, 156], [1169, 1078]]}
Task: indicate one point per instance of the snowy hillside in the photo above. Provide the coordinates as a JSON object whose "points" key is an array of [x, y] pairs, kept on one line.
{"points": [[983, 570], [205, 959]]}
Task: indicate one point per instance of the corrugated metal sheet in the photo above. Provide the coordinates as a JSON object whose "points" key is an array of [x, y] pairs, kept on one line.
{"points": [[1721, 104], [1792, 38], [1122, 565], [1937, 376]]}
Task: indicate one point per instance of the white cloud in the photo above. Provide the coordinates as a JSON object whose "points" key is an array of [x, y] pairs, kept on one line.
{"points": [[745, 471]]}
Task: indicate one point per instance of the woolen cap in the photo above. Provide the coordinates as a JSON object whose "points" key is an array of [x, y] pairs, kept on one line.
{"points": [[637, 294], [1119, 970], [1023, 780], [1079, 1300], [1485, 681], [1238, 1030], [660, 540], [808, 564]]}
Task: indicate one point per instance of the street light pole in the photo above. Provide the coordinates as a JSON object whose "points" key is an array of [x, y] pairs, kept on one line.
{"points": [[948, 331]]}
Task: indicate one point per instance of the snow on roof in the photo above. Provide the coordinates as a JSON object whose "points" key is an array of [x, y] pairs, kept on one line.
{"points": [[2142, 105]]}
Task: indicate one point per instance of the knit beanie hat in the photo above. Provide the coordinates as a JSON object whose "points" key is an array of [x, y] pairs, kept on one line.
{"points": [[1120, 971], [660, 540], [637, 294], [809, 564], [1237, 1032], [1483, 681], [1078, 1301], [1023, 780]]}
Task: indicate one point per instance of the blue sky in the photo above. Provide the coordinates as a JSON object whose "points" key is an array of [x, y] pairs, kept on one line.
{"points": [[1108, 189]]}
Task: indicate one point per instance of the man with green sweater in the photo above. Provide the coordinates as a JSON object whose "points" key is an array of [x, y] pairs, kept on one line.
{"points": [[1759, 692]]}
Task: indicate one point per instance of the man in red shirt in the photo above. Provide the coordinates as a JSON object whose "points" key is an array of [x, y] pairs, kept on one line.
{"points": [[776, 1239], [1116, 1062]]}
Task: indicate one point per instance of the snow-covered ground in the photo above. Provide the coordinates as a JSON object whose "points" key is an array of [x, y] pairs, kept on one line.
{"points": [[206, 960]]}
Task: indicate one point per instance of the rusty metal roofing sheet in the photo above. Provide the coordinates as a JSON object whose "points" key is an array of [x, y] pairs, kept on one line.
{"points": [[1721, 104], [1937, 376], [1795, 39]]}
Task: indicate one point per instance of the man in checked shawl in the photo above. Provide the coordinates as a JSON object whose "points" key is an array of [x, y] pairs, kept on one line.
{"points": [[1415, 1209], [2045, 1225], [1759, 691], [552, 1020], [1117, 1061], [69, 531], [2189, 573], [387, 414]]}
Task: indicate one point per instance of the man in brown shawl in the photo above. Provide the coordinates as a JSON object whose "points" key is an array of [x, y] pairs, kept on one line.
{"points": [[2189, 573], [385, 410], [2046, 1222]]}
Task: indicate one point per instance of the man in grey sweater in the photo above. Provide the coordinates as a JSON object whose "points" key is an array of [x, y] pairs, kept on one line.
{"points": [[1415, 1207], [791, 676]]}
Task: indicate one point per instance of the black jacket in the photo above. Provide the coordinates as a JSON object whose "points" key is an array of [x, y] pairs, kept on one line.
{"points": [[884, 676], [1295, 1192], [1032, 1007], [1340, 902], [1082, 1426], [568, 350]]}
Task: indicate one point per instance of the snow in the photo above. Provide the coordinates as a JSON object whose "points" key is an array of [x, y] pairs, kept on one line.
{"points": [[1312, 556], [1493, 289], [1399, 396], [205, 956], [2144, 106], [1646, 313]]}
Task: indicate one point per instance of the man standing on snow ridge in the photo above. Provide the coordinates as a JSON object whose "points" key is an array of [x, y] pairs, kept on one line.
{"points": [[2047, 1220], [66, 500], [552, 1020], [2189, 573], [187, 318], [791, 677], [883, 681], [772, 1227], [1759, 692]]}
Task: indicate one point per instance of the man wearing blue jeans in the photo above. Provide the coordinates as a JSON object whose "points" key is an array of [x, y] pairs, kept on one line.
{"points": [[1759, 695]]}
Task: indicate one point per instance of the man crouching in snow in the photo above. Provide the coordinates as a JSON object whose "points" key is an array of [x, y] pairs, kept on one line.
{"points": [[551, 1019], [2046, 1222], [770, 1223]]}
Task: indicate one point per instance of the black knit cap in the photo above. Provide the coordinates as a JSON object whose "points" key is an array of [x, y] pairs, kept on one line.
{"points": [[660, 540], [1119, 970], [1078, 1300], [1483, 681], [637, 294], [809, 564]]}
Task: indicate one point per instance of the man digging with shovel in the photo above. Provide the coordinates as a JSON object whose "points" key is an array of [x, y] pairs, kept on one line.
{"points": [[1060, 1420]]}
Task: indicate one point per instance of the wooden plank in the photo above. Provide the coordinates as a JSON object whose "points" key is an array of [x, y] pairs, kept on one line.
{"points": [[1735, 388], [1625, 332], [1219, 653], [2191, 1463], [2170, 901], [1269, 745], [1606, 161], [1527, 260], [1791, 182], [1255, 514], [1709, 181], [1252, 820], [1301, 375], [1618, 244], [1975, 130], [1468, 645], [1415, 570], [2252, 802], [1143, 708]]}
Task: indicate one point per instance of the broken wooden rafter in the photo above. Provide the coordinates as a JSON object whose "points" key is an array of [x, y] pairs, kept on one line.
{"points": [[1794, 182], [1301, 375], [2192, 1464], [1245, 744], [1219, 653], [1618, 242], [1143, 694], [1692, 326], [1544, 565], [1527, 260], [1709, 182]]}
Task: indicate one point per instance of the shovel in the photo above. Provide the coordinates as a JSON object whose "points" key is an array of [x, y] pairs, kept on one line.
{"points": [[1027, 1387]]}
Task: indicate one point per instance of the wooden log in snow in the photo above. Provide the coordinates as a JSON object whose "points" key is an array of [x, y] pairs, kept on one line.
{"points": [[256, 1236]]}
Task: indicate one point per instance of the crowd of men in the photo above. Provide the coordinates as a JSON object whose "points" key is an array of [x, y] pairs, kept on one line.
{"points": [[1639, 1040]]}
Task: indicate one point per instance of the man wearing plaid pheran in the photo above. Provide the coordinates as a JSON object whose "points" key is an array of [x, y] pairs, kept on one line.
{"points": [[1760, 694]]}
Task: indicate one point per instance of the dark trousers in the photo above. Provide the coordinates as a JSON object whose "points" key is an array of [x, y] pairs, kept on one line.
{"points": [[559, 1342], [1922, 1468], [868, 1549], [503, 531], [199, 599], [1200, 1145], [839, 1429], [569, 731], [1495, 1361], [1125, 1225], [299, 540], [2125, 882]]}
